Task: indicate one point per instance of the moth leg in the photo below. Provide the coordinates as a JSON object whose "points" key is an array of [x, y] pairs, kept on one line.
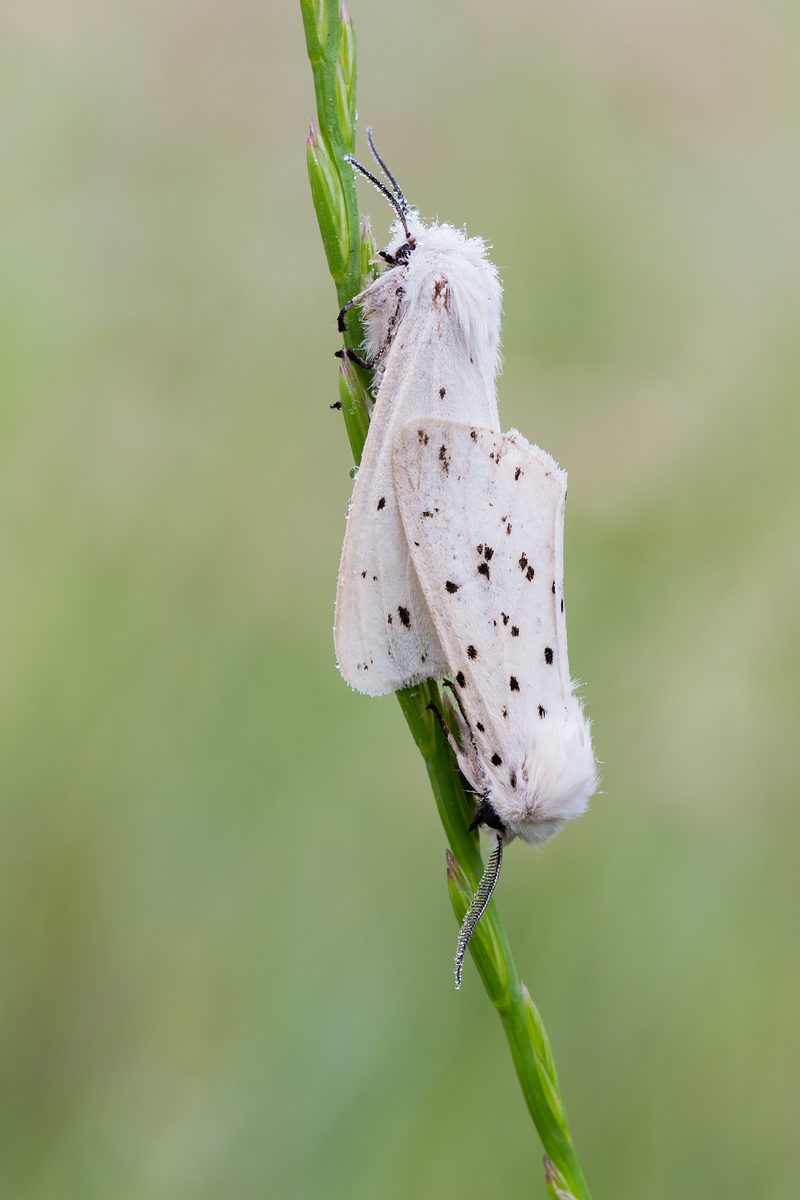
{"points": [[448, 683], [468, 759], [346, 352], [395, 317], [451, 741], [340, 325], [356, 300], [370, 364]]}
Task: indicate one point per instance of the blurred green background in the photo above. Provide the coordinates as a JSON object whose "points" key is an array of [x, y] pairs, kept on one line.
{"points": [[226, 939]]}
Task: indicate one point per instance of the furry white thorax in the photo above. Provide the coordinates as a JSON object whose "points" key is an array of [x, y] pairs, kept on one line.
{"points": [[472, 298]]}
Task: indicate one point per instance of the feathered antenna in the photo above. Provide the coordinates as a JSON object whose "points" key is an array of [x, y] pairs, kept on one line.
{"points": [[393, 200], [483, 895], [398, 191]]}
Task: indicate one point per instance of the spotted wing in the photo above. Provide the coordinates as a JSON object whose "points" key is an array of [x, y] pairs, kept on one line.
{"points": [[483, 514], [384, 636]]}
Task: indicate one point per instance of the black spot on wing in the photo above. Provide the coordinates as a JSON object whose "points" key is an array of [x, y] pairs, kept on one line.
{"points": [[382, 502], [460, 680], [515, 631], [513, 683], [517, 473], [472, 652], [405, 616], [451, 587], [441, 393], [422, 437], [548, 655], [483, 569], [480, 727], [496, 760], [542, 711]]}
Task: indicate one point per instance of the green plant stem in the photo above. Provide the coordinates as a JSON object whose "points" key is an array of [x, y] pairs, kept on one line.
{"points": [[331, 50]]}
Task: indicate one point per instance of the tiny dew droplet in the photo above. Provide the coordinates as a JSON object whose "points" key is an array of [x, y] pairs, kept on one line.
{"points": [[353, 472]]}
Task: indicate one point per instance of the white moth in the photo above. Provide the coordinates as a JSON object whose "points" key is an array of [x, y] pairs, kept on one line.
{"points": [[432, 323], [483, 514]]}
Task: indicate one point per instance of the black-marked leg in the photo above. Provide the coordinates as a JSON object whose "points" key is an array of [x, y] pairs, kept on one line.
{"points": [[340, 325], [448, 683], [346, 352], [473, 757], [451, 741], [369, 364]]}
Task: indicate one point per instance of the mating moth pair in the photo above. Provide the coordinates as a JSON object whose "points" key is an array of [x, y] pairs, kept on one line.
{"points": [[452, 566]]}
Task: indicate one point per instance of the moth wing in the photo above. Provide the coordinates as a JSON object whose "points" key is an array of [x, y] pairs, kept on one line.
{"points": [[483, 514], [383, 633]]}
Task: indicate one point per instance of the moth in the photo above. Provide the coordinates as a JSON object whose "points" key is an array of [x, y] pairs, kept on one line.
{"points": [[432, 323]]}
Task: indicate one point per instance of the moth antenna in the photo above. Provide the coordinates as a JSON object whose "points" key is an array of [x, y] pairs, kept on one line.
{"points": [[395, 203], [477, 908], [398, 191]]}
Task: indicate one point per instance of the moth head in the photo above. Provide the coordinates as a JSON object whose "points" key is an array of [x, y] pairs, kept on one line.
{"points": [[487, 816]]}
